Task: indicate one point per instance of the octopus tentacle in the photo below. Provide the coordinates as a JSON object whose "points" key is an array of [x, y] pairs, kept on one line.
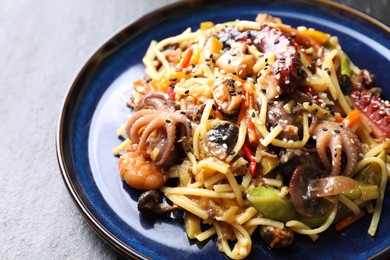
{"points": [[351, 147], [135, 117], [154, 125], [181, 119], [137, 125], [332, 136], [167, 147], [163, 121], [336, 148], [323, 139], [158, 100]]}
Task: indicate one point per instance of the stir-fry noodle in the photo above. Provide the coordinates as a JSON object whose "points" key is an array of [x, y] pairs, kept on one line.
{"points": [[256, 125]]}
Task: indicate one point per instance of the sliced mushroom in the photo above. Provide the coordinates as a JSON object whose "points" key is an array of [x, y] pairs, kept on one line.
{"points": [[332, 185], [221, 139], [150, 205], [301, 191]]}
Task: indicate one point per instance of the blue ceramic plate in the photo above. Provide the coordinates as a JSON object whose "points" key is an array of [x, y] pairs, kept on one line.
{"points": [[96, 105]]}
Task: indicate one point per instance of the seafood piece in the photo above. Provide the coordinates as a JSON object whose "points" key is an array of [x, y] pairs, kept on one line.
{"points": [[338, 139], [276, 237], [225, 93], [140, 173], [157, 100], [156, 130], [286, 68], [376, 110], [234, 61]]}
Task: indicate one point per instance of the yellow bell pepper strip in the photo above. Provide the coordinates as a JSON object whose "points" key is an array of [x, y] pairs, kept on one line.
{"points": [[206, 25], [320, 37]]}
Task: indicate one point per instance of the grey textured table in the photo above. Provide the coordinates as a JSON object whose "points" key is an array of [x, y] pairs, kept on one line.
{"points": [[43, 45]]}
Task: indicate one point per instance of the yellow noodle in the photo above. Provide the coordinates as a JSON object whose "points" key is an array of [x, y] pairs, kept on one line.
{"points": [[188, 205], [117, 150], [235, 187], [258, 221], [248, 214], [349, 203], [296, 225], [198, 192], [206, 234]]}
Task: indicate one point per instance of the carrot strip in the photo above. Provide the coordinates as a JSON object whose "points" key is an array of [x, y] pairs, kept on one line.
{"points": [[352, 118], [251, 127], [186, 61], [349, 221]]}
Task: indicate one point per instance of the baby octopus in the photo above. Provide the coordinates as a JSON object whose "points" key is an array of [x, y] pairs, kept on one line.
{"points": [[332, 135], [154, 130]]}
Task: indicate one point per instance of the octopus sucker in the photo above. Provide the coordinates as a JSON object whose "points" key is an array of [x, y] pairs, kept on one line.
{"points": [[339, 141]]}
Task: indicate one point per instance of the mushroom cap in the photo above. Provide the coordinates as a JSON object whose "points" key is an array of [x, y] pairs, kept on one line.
{"points": [[301, 191]]}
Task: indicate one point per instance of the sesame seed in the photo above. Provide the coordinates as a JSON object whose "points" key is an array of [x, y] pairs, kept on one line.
{"points": [[264, 90], [173, 79], [187, 92], [168, 121], [337, 131], [230, 82], [325, 129]]}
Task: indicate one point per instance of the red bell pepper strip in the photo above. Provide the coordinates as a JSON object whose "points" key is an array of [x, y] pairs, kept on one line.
{"points": [[171, 92], [251, 158]]}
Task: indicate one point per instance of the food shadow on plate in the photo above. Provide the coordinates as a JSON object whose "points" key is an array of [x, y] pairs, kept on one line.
{"points": [[174, 216]]}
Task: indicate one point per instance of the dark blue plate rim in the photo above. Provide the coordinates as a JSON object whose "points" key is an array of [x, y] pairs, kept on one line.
{"points": [[70, 101]]}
